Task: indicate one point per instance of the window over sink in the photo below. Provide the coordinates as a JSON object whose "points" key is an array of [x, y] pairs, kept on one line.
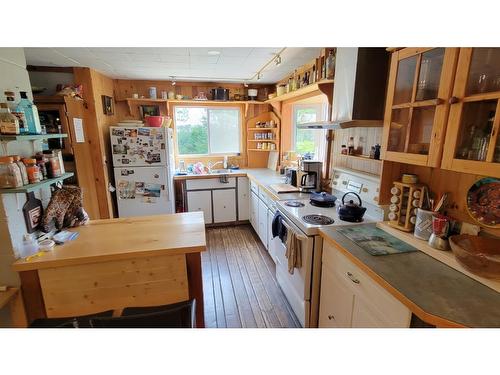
{"points": [[310, 143], [207, 130]]}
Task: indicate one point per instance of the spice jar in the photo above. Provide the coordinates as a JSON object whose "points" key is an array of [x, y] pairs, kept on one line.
{"points": [[33, 171], [10, 175], [22, 169]]}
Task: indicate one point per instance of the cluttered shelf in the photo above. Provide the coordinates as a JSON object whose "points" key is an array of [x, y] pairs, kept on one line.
{"points": [[36, 186], [302, 91]]}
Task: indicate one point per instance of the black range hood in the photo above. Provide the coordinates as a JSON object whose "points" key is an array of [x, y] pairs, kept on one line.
{"points": [[359, 89]]}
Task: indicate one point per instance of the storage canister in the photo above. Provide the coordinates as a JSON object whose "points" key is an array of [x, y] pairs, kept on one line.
{"points": [[10, 175], [22, 169], [34, 174]]}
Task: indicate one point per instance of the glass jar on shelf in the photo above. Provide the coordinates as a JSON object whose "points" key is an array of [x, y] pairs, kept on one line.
{"points": [[33, 171], [10, 175]]}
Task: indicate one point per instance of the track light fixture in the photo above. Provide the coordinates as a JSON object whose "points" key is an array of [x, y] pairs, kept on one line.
{"points": [[277, 60], [173, 80]]}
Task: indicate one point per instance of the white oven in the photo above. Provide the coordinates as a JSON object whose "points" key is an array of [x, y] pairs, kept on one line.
{"points": [[296, 287]]}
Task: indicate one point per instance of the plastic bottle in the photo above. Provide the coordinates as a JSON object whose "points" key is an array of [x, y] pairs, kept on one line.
{"points": [[29, 246], [22, 169], [31, 114]]}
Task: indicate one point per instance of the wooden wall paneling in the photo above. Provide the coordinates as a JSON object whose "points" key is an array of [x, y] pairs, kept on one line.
{"points": [[94, 287], [85, 170], [85, 77]]}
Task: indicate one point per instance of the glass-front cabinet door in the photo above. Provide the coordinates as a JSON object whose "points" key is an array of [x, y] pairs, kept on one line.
{"points": [[472, 143], [420, 83]]}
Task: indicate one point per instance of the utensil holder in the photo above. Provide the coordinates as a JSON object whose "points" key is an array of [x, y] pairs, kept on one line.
{"points": [[423, 225]]}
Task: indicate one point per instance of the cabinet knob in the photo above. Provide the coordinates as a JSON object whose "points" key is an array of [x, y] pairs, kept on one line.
{"points": [[353, 279], [331, 317], [453, 100]]}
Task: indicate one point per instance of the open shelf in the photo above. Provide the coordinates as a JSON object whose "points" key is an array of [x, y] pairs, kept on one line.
{"points": [[30, 137], [34, 187], [259, 149], [193, 101], [262, 128], [263, 140], [302, 91]]}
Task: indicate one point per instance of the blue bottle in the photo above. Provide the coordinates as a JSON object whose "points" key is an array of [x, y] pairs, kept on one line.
{"points": [[30, 113]]}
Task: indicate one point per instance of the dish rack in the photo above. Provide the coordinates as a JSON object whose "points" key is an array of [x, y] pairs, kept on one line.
{"points": [[405, 200]]}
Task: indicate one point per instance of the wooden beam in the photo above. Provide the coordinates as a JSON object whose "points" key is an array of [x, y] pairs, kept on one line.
{"points": [[51, 69]]}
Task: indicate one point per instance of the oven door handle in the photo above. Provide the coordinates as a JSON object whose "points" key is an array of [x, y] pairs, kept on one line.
{"points": [[289, 228]]}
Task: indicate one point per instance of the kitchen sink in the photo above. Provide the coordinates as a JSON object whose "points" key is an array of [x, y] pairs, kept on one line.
{"points": [[221, 171]]}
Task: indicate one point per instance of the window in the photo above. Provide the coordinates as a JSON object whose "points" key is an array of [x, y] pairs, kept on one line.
{"points": [[205, 131], [309, 142]]}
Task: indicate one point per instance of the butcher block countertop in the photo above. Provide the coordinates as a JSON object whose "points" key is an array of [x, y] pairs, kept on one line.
{"points": [[125, 238], [432, 290]]}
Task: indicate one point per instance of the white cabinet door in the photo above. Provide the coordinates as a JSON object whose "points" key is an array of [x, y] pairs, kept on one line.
{"points": [[243, 199], [254, 211], [201, 201], [270, 216], [262, 226], [224, 205], [336, 301]]}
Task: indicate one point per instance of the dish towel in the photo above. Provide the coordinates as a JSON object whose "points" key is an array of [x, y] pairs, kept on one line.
{"points": [[293, 251]]}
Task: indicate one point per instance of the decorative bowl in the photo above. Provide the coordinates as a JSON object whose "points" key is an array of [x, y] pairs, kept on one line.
{"points": [[154, 121], [480, 255]]}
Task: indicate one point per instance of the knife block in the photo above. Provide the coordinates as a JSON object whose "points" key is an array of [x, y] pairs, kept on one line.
{"points": [[405, 200]]}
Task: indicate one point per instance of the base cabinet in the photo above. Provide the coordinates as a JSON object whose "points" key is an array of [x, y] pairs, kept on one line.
{"points": [[243, 199], [350, 298], [262, 220], [201, 201], [224, 203], [254, 211]]}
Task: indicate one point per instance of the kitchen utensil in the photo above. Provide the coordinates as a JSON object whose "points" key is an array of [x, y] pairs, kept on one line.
{"points": [[323, 199], [154, 121], [480, 255], [440, 227], [220, 94], [252, 94], [441, 202], [483, 202], [423, 224], [351, 211]]}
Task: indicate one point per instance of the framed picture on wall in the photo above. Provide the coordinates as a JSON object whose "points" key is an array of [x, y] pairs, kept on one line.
{"points": [[107, 105], [149, 110]]}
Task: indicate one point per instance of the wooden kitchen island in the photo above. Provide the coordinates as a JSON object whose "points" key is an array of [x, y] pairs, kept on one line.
{"points": [[118, 263]]}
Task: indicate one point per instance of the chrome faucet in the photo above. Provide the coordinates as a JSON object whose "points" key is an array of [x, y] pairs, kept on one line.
{"points": [[210, 165]]}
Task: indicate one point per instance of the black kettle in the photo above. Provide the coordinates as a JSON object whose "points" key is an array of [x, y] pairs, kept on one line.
{"points": [[351, 211]]}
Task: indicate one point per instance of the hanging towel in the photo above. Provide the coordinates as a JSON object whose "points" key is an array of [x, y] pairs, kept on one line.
{"points": [[293, 250], [278, 229]]}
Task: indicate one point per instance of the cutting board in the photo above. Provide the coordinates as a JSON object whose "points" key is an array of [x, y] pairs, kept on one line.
{"points": [[272, 160], [283, 188]]}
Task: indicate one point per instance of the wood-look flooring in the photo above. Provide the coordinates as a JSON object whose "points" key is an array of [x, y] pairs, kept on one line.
{"points": [[239, 285]]}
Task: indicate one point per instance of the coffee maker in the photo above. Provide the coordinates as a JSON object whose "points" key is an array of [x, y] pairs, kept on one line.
{"points": [[309, 176]]}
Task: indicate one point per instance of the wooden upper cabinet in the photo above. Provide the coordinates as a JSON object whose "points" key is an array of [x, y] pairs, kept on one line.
{"points": [[420, 85], [472, 143]]}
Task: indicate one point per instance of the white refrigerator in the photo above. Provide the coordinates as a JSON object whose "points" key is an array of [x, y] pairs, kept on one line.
{"points": [[143, 165]]}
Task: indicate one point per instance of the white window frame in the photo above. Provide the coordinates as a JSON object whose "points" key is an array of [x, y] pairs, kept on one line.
{"points": [[208, 109], [321, 110]]}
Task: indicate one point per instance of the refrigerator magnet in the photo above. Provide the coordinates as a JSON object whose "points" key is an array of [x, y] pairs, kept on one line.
{"points": [[144, 132], [117, 132]]}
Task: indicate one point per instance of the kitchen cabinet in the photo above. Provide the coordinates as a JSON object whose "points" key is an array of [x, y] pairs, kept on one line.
{"points": [[417, 106], [254, 210], [350, 298], [472, 143], [243, 199], [337, 300], [262, 223], [200, 201], [270, 216], [224, 204]]}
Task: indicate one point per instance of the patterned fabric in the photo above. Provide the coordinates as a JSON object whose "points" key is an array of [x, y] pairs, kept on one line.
{"points": [[65, 209]]}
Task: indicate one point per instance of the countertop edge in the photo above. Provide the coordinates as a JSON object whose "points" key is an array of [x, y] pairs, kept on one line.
{"points": [[21, 267], [430, 318]]}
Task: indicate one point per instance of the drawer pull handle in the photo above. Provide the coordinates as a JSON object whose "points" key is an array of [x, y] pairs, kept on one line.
{"points": [[331, 317], [353, 279]]}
